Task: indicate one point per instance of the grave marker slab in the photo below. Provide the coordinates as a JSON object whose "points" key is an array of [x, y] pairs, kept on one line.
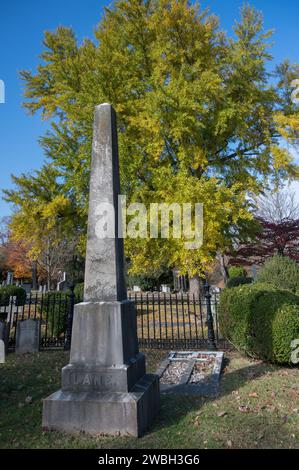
{"points": [[191, 372], [27, 336]]}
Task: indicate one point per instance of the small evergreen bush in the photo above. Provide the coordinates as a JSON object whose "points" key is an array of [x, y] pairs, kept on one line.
{"points": [[12, 291], [281, 272]]}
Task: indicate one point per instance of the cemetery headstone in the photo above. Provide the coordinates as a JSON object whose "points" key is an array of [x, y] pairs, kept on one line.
{"points": [[2, 352], [27, 288], [104, 388], [165, 288], [9, 279], [63, 285], [27, 336]]}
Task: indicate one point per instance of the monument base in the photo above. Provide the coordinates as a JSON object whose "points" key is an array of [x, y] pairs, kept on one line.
{"points": [[104, 412]]}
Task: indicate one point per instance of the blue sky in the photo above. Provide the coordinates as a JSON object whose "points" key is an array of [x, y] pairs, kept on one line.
{"points": [[22, 25]]}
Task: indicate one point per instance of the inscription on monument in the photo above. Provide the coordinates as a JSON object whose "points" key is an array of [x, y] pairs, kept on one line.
{"points": [[91, 379]]}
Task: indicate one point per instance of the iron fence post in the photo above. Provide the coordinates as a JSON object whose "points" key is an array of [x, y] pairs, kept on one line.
{"points": [[68, 336], [210, 322]]}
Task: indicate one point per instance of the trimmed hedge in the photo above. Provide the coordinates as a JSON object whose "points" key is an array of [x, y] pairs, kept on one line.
{"points": [[237, 281], [12, 291], [260, 321], [281, 272]]}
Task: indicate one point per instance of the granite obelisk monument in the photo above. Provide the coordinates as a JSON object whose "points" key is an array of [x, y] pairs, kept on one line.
{"points": [[104, 387]]}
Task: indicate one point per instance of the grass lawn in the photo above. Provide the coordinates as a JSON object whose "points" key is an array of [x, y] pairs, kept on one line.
{"points": [[258, 407]]}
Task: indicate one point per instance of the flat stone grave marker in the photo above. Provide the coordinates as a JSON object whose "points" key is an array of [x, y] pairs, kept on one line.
{"points": [[191, 372], [27, 336], [2, 352]]}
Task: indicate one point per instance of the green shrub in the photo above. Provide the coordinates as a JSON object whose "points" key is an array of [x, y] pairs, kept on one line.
{"points": [[281, 272], [260, 320], [54, 309], [12, 291], [79, 291], [236, 271], [237, 281], [145, 283], [286, 327]]}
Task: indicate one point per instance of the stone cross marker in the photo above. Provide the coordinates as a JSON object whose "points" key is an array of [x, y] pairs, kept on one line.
{"points": [[104, 387], [27, 336]]}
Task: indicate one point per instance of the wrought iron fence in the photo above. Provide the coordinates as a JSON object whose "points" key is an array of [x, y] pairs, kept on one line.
{"points": [[177, 320], [52, 310], [163, 320]]}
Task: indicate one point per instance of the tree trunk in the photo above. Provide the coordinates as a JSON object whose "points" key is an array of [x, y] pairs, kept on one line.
{"points": [[223, 268], [34, 275], [196, 286]]}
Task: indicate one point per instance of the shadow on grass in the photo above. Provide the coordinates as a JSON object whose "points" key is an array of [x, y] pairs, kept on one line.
{"points": [[174, 427], [178, 405]]}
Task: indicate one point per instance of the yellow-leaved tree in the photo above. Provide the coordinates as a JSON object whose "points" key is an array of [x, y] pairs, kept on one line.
{"points": [[200, 117]]}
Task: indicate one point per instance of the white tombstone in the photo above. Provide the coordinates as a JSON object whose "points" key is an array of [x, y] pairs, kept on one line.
{"points": [[165, 288]]}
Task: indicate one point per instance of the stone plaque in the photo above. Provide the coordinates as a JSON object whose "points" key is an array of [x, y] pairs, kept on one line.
{"points": [[27, 339]]}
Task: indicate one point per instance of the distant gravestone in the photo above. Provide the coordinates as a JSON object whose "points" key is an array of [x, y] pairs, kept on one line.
{"points": [[9, 279], [27, 337], [165, 288], [2, 352], [27, 288], [62, 285]]}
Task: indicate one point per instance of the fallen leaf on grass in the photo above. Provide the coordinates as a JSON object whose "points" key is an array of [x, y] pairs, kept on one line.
{"points": [[222, 413], [244, 409], [253, 395], [197, 421]]}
